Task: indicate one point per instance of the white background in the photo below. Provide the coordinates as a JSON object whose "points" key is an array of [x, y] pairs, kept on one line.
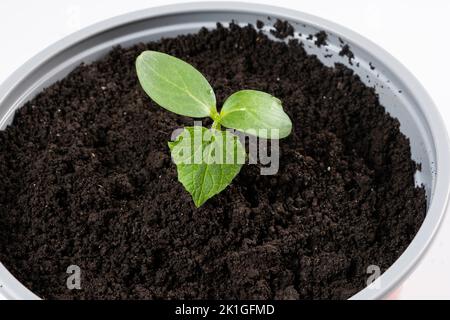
{"points": [[415, 32]]}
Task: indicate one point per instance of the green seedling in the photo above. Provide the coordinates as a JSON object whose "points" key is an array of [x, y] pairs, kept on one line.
{"points": [[208, 160]]}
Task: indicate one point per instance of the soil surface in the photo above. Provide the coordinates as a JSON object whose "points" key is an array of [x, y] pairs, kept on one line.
{"points": [[87, 179], [321, 39]]}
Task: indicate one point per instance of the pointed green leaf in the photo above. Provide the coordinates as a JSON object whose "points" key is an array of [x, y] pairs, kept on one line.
{"points": [[207, 161], [256, 112], [175, 85]]}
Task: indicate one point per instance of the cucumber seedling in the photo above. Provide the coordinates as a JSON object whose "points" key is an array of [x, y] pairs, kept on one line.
{"points": [[208, 160]]}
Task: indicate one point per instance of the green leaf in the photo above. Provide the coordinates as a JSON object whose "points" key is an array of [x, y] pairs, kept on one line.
{"points": [[207, 161], [175, 85], [257, 113]]}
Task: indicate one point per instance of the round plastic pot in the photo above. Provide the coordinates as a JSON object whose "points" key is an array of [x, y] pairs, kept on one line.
{"points": [[399, 92]]}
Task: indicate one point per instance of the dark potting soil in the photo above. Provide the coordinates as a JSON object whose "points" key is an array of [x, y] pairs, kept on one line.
{"points": [[321, 38], [346, 51], [87, 180], [282, 29]]}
